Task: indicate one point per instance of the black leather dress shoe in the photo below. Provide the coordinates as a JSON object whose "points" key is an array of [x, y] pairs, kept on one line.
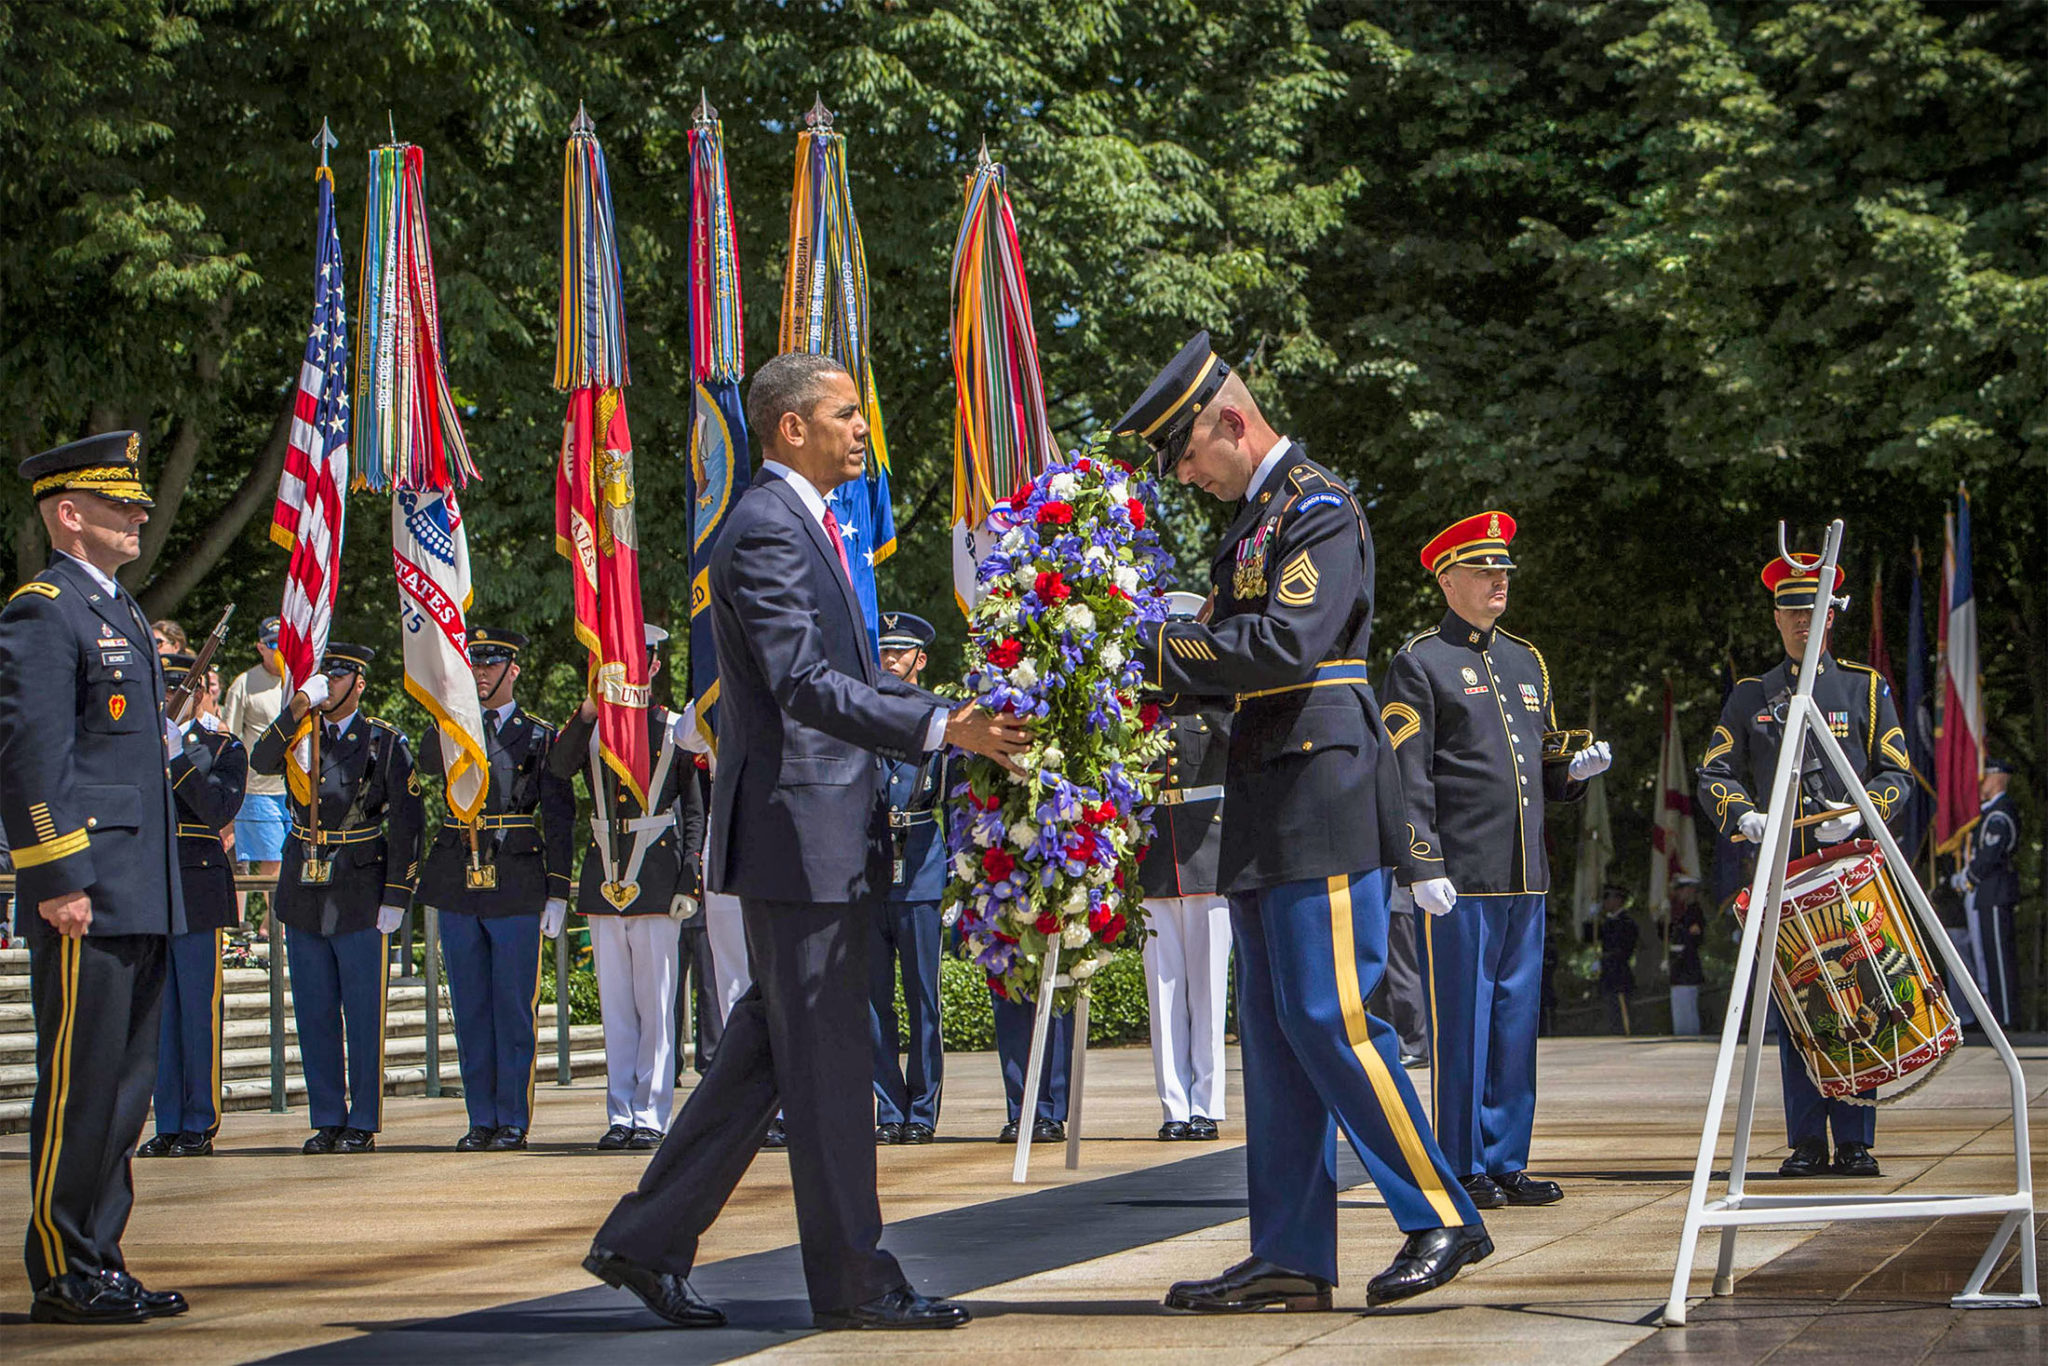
{"points": [[1854, 1159], [1009, 1133], [510, 1139], [193, 1145], [917, 1134], [76, 1298], [1427, 1260], [158, 1304], [160, 1146], [1174, 1131], [1253, 1283], [1411, 1061], [322, 1141], [890, 1133], [903, 1308], [1521, 1190], [777, 1136], [615, 1139], [645, 1140], [356, 1141], [1202, 1129], [668, 1295], [476, 1140], [1484, 1192], [1049, 1131], [1808, 1159]]}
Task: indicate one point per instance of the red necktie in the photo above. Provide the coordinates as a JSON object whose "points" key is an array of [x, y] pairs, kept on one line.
{"points": [[838, 544]]}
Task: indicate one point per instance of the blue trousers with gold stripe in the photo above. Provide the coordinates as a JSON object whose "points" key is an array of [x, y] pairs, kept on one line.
{"points": [[1308, 955], [1483, 966], [494, 979], [188, 1058], [1810, 1116], [337, 994]]}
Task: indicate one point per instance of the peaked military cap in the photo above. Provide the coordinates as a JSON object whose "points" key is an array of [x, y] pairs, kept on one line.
{"points": [[1164, 415], [342, 658], [488, 646], [655, 638], [1480, 540], [1183, 606], [1999, 766], [1791, 587], [108, 465], [906, 631], [266, 632], [177, 666]]}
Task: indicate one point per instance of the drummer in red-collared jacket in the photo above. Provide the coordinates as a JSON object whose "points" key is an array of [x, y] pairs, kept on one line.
{"points": [[1734, 787]]}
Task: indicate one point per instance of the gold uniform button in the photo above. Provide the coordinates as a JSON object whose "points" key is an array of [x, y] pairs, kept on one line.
{"points": [[117, 675], [1308, 744], [92, 822]]}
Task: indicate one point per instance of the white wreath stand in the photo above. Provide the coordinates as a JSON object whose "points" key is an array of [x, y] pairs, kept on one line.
{"points": [[1753, 980], [1034, 1071]]}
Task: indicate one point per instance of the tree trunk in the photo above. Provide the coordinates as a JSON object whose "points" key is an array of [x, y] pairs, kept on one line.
{"points": [[258, 491], [172, 474], [31, 546]]}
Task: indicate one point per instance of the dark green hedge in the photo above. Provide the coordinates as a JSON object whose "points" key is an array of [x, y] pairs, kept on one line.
{"points": [[1117, 1012]]}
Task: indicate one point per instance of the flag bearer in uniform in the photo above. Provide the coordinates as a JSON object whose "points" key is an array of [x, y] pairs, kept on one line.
{"points": [[495, 886], [1736, 773], [632, 878], [1287, 639], [344, 889], [86, 800], [1187, 955], [1467, 707], [207, 775]]}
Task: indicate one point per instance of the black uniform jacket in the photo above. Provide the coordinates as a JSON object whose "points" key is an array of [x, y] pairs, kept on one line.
{"points": [[1313, 789], [85, 790], [1187, 826], [661, 873], [1992, 845], [208, 781], [531, 850], [369, 798], [1466, 710], [1741, 760]]}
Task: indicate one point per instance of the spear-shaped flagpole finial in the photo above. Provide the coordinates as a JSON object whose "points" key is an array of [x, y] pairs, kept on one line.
{"points": [[392, 124], [582, 127], [325, 139], [982, 160], [819, 119], [706, 115]]}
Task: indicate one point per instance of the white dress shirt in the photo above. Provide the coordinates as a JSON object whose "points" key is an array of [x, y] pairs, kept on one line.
{"points": [[1267, 463]]}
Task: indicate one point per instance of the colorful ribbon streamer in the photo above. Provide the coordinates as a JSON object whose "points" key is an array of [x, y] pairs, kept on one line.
{"points": [[590, 334]]}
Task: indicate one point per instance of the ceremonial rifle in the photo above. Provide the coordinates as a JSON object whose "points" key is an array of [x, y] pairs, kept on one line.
{"points": [[182, 696]]}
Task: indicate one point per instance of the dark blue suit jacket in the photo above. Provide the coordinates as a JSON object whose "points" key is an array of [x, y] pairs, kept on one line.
{"points": [[806, 716]]}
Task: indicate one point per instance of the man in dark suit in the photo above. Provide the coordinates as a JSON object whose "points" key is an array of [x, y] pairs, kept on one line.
{"points": [[807, 721]]}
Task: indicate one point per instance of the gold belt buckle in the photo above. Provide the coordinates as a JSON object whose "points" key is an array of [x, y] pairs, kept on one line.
{"points": [[316, 872], [481, 878]]}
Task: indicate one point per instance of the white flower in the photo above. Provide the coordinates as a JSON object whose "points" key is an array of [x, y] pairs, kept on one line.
{"points": [[1024, 674], [1126, 578], [1026, 579], [1077, 900], [1085, 968], [1095, 555], [1013, 540], [1022, 834], [982, 836], [1062, 486], [1080, 619], [1119, 492], [1023, 912], [1074, 936], [1112, 657], [964, 867], [1053, 757]]}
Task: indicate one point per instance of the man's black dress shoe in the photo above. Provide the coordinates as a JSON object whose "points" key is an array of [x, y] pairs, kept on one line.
{"points": [[1202, 1128], [160, 1146], [890, 1133], [1049, 1131], [1521, 1190], [1174, 1131], [1009, 1133], [615, 1139], [322, 1141], [1427, 1260], [1484, 1192], [916, 1133], [777, 1136], [1808, 1159], [158, 1304], [356, 1141], [1252, 1284], [510, 1139], [77, 1298], [476, 1140], [1411, 1061], [644, 1140], [193, 1145], [668, 1295], [902, 1308], [1854, 1159]]}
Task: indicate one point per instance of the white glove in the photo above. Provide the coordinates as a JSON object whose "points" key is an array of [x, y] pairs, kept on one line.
{"points": [[1960, 880], [681, 906], [316, 690], [1436, 895], [1591, 761], [552, 915], [388, 918], [174, 738], [1838, 828], [950, 916], [1751, 826]]}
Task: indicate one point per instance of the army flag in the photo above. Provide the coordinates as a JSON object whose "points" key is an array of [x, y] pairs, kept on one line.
{"points": [[430, 555], [1959, 737], [1001, 437], [1674, 838], [594, 518]]}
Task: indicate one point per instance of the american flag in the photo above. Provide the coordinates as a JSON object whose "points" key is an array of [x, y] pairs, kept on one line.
{"points": [[308, 520]]}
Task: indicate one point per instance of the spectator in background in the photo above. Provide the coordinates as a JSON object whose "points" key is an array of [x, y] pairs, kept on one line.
{"points": [[170, 637], [1618, 933], [1683, 937], [253, 701]]}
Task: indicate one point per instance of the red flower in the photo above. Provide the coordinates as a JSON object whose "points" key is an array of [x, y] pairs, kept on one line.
{"points": [[1052, 587], [1020, 497], [1005, 938], [1119, 878], [1114, 930], [1005, 654], [1055, 514], [1148, 715], [1084, 464], [1099, 918], [1047, 923], [1083, 848], [1137, 511], [995, 984], [1099, 815], [998, 864]]}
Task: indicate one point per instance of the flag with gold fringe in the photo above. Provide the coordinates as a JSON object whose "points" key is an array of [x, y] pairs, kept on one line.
{"points": [[594, 521]]}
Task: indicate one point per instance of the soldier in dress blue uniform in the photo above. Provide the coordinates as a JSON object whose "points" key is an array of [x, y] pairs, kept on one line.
{"points": [[908, 928], [86, 798], [1991, 888], [1468, 706], [1311, 832], [343, 891], [1736, 773], [495, 884], [207, 777]]}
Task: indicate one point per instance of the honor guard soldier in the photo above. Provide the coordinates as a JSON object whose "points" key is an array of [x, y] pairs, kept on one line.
{"points": [[494, 883], [1736, 773], [207, 777], [1991, 888], [86, 799], [1187, 955], [350, 867], [1470, 715], [1310, 815], [907, 927], [632, 882]]}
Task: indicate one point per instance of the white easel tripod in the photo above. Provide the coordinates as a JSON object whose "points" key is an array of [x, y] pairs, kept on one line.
{"points": [[1750, 988], [1034, 1071]]}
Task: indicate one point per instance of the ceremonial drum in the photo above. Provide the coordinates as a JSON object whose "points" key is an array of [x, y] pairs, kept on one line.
{"points": [[1853, 981]]}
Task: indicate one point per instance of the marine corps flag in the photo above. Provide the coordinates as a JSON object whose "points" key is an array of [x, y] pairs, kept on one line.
{"points": [[594, 527]]}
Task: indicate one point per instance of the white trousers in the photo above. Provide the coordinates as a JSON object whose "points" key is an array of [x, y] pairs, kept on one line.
{"points": [[1187, 973], [637, 960], [729, 962]]}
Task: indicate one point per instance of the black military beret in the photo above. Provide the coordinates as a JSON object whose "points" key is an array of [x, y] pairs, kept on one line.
{"points": [[1164, 415], [108, 465], [906, 631]]}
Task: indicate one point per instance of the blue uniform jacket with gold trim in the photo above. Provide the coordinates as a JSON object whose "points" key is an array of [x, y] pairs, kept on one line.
{"points": [[534, 853], [1312, 790], [1741, 758], [1466, 710], [84, 786], [208, 780]]}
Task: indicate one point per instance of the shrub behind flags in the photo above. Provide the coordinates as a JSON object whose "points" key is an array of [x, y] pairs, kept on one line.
{"points": [[1001, 438], [412, 444], [1959, 739], [594, 519]]}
